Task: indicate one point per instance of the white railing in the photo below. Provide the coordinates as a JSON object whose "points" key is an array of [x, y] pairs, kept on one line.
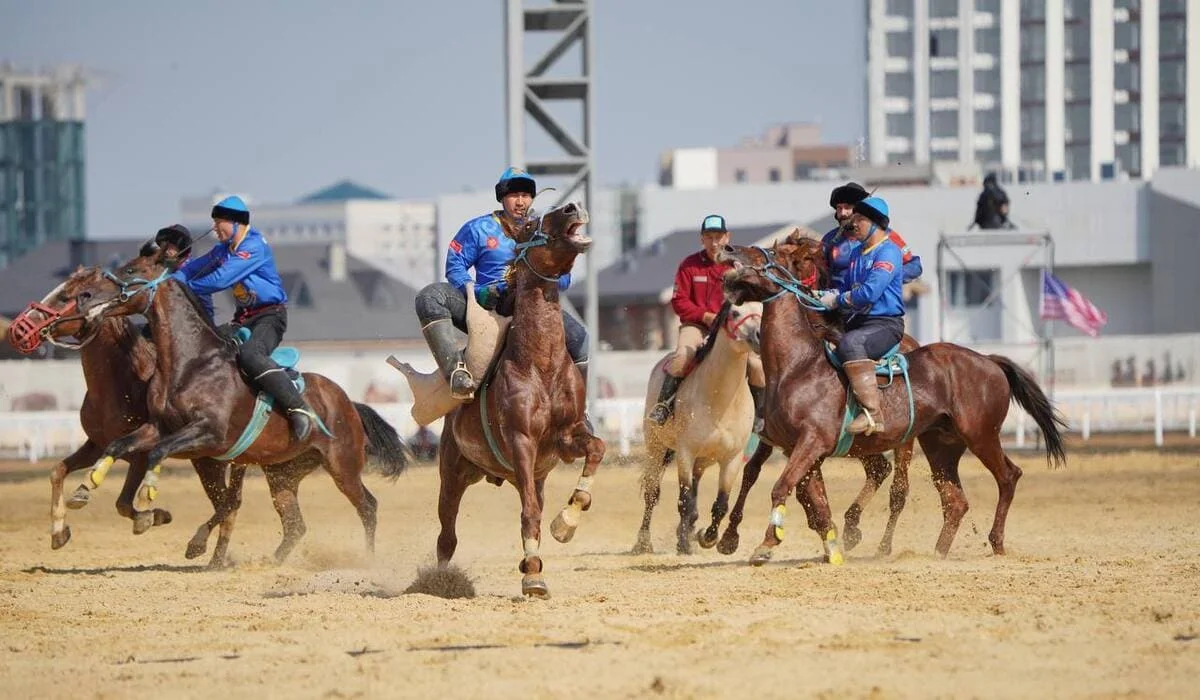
{"points": [[46, 434]]}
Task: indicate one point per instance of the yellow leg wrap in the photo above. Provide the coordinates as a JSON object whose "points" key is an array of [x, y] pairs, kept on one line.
{"points": [[778, 513], [99, 471]]}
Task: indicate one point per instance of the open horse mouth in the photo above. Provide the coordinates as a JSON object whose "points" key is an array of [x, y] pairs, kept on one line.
{"points": [[575, 236]]}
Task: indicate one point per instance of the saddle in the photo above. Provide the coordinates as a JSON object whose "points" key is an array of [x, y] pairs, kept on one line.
{"points": [[892, 363], [285, 356], [486, 331]]}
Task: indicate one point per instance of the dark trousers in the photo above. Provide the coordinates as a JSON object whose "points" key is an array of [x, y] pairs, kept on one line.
{"points": [[440, 301], [254, 356], [869, 337]]}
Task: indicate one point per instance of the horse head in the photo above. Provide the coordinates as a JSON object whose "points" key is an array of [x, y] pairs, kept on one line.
{"points": [[59, 315], [128, 288], [549, 244], [760, 274], [743, 325]]}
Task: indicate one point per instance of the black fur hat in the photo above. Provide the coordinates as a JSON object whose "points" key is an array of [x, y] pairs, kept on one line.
{"points": [[849, 193]]}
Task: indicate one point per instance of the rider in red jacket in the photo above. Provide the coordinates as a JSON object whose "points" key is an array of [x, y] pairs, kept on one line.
{"points": [[697, 300]]}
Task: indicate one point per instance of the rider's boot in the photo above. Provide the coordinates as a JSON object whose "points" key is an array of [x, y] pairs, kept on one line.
{"points": [[587, 420], [861, 374], [444, 346], [666, 399], [757, 392], [300, 415]]}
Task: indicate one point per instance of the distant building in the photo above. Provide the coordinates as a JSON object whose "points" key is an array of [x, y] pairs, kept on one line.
{"points": [[395, 235], [41, 159], [784, 153]]}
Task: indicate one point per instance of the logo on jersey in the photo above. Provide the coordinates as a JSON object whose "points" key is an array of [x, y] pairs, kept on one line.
{"points": [[493, 242], [884, 265], [456, 246], [243, 254]]}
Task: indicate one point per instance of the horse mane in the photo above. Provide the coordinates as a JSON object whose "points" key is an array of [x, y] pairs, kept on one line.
{"points": [[711, 339], [203, 314]]}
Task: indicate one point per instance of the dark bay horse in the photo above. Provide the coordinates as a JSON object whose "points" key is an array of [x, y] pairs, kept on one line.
{"points": [[806, 250], [529, 413], [117, 362], [199, 403], [961, 399]]}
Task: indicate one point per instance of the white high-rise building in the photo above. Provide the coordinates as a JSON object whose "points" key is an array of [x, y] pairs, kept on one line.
{"points": [[1037, 89]]}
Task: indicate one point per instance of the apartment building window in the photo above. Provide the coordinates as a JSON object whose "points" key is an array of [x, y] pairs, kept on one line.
{"points": [[1077, 81], [1170, 79], [900, 44], [1127, 36], [773, 174], [1170, 154], [1033, 9], [943, 123], [1033, 124], [1078, 42], [739, 175], [1171, 120], [900, 8], [987, 82], [943, 8], [1079, 162], [1078, 124], [1127, 77], [898, 85], [1033, 83], [970, 287], [1172, 37], [1129, 155], [1127, 117], [1076, 9], [802, 171], [900, 125], [1033, 43], [987, 121], [1172, 7], [943, 43], [987, 6], [987, 41], [943, 84]]}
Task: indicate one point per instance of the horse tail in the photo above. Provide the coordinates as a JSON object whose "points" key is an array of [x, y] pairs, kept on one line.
{"points": [[385, 450], [1029, 396]]}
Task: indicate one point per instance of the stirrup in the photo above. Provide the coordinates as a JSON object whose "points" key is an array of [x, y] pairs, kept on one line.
{"points": [[662, 411], [462, 384], [872, 426]]}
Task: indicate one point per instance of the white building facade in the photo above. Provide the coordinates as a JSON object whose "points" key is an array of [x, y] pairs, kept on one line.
{"points": [[1037, 89]]}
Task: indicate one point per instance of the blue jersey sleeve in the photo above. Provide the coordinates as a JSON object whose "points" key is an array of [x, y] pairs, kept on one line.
{"points": [[233, 269], [886, 265], [464, 252], [913, 269]]}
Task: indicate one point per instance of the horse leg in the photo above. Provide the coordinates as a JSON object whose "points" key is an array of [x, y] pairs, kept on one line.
{"points": [[810, 492], [685, 470], [562, 528], [533, 583], [138, 464], [943, 453], [804, 457], [232, 503], [877, 468], [192, 437], [455, 474], [651, 490], [139, 440], [283, 480], [730, 540], [60, 532], [897, 497], [1006, 473], [212, 478], [720, 506], [346, 469]]}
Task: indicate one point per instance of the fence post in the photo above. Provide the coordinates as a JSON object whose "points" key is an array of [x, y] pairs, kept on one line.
{"points": [[1192, 419], [1158, 418], [1021, 429], [625, 429], [1087, 422]]}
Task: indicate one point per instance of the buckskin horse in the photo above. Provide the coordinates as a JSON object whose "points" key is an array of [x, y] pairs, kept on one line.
{"points": [[529, 412], [117, 362], [959, 400], [876, 466], [198, 404], [711, 424]]}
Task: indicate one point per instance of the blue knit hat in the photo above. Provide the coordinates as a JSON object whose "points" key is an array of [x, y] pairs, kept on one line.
{"points": [[515, 180], [232, 208], [876, 211]]}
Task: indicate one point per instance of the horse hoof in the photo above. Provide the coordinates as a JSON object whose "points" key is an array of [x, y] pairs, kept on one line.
{"points": [[563, 527], [761, 556], [162, 517], [534, 586], [684, 547], [885, 550], [59, 539], [728, 544], [195, 548], [218, 564], [642, 546], [80, 498], [143, 520], [851, 537], [707, 538]]}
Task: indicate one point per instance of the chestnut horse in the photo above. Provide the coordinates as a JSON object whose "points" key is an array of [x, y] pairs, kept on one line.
{"points": [[876, 467], [117, 362], [961, 399], [529, 412], [199, 403]]}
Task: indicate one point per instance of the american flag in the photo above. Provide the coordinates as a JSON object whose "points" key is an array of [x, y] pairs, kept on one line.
{"points": [[1063, 303]]}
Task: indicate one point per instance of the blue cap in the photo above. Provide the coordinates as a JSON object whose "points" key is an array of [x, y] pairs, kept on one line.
{"points": [[713, 223], [515, 180], [876, 211], [232, 208]]}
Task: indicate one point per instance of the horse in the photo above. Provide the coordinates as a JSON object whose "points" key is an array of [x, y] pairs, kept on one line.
{"points": [[876, 467], [711, 424], [199, 403], [959, 399], [117, 362], [529, 411]]}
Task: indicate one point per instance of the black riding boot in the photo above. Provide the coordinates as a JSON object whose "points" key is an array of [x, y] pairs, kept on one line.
{"points": [[444, 346], [666, 399], [757, 392], [276, 383]]}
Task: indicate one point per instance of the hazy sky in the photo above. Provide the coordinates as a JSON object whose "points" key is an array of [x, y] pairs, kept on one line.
{"points": [[280, 98]]}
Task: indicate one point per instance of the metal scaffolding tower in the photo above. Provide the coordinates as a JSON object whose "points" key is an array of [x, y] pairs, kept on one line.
{"points": [[530, 90]]}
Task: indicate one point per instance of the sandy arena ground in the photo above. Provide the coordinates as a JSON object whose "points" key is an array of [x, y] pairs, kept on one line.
{"points": [[1099, 596]]}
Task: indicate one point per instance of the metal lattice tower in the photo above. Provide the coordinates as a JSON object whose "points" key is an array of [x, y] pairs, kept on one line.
{"points": [[531, 91]]}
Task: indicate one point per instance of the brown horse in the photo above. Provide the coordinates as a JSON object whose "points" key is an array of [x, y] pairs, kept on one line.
{"points": [[876, 466], [199, 403], [529, 413], [961, 399], [117, 362]]}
